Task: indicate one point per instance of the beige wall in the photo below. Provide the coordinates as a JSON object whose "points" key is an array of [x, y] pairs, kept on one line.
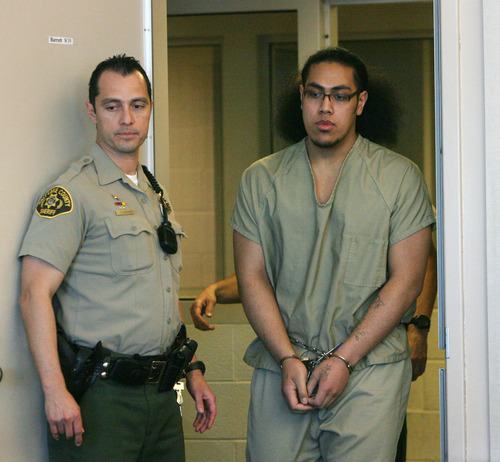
{"points": [[238, 36], [44, 87], [223, 349]]}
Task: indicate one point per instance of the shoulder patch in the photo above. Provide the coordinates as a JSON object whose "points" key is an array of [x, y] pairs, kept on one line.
{"points": [[56, 201]]}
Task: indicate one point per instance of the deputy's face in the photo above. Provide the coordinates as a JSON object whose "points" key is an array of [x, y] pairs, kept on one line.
{"points": [[122, 111], [331, 121]]}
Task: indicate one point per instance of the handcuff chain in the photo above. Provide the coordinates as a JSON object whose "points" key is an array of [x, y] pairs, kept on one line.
{"points": [[321, 354], [306, 347]]}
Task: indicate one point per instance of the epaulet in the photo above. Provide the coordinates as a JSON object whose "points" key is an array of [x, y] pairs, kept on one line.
{"points": [[76, 167]]}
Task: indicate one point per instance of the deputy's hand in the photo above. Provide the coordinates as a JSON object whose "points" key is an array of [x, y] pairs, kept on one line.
{"points": [[293, 386], [330, 377], [204, 306], [417, 338], [63, 415], [204, 399]]}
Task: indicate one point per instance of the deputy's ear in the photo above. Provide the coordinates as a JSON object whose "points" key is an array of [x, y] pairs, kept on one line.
{"points": [[91, 111]]}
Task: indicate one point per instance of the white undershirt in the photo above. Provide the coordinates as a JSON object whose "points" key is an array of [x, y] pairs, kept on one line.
{"points": [[134, 179]]}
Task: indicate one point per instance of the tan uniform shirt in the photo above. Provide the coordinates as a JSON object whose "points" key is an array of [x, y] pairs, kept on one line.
{"points": [[99, 229], [327, 262]]}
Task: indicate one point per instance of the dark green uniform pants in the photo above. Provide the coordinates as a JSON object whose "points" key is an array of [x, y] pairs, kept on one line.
{"points": [[126, 424]]}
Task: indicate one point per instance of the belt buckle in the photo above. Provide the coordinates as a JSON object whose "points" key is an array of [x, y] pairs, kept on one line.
{"points": [[155, 372]]}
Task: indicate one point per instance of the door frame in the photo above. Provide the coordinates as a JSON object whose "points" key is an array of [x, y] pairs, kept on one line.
{"points": [[468, 304]]}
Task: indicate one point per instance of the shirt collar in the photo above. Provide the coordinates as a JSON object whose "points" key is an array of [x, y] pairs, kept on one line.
{"points": [[108, 172]]}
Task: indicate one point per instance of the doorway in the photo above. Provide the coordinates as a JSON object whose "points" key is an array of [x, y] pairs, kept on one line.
{"points": [[239, 149], [194, 101]]}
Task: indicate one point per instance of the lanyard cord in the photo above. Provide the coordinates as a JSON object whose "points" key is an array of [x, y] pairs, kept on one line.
{"points": [[158, 190]]}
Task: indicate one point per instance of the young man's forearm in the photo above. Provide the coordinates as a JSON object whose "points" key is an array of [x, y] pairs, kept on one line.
{"points": [[258, 298], [407, 265]]}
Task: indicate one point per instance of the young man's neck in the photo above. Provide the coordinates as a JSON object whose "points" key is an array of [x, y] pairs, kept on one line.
{"points": [[335, 153]]}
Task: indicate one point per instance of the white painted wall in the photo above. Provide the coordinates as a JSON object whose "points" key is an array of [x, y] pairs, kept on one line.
{"points": [[471, 205], [491, 38]]}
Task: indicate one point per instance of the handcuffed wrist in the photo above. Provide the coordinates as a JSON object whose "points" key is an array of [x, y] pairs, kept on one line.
{"points": [[282, 360], [347, 363]]}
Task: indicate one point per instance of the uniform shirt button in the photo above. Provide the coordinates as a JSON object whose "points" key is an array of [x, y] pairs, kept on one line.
{"points": [[169, 321], [134, 228], [165, 257], [169, 289]]}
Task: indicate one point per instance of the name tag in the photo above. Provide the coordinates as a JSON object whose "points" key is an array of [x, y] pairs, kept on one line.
{"points": [[124, 212]]}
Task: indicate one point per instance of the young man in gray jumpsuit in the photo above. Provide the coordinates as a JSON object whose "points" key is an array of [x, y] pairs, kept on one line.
{"points": [[93, 244], [331, 238]]}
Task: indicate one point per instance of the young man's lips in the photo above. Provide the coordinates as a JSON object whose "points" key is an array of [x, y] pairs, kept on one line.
{"points": [[324, 124]]}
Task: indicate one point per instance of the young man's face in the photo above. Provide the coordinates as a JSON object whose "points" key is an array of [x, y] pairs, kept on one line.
{"points": [[330, 122], [122, 111]]}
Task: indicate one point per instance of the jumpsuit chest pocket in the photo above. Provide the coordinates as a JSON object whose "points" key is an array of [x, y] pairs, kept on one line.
{"points": [[131, 244], [366, 262]]}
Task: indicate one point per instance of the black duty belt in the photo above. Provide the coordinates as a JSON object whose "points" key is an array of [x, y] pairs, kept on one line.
{"points": [[133, 370], [163, 370]]}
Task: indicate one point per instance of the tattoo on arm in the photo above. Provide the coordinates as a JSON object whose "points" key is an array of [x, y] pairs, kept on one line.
{"points": [[324, 371], [378, 302], [358, 332]]}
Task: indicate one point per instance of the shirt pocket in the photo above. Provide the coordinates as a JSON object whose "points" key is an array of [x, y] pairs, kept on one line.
{"points": [[131, 245], [366, 262], [176, 258]]}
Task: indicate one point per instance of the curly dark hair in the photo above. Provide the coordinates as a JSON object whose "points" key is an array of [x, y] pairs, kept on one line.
{"points": [[341, 56], [380, 121]]}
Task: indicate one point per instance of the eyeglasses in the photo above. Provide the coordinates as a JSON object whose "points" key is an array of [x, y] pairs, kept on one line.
{"points": [[335, 98]]}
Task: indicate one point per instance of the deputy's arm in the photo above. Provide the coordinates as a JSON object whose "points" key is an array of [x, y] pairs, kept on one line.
{"points": [[39, 282], [203, 396], [264, 316], [224, 291], [407, 265]]}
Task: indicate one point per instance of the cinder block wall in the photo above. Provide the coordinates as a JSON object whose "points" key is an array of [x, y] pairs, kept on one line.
{"points": [[423, 407], [222, 351], [229, 377]]}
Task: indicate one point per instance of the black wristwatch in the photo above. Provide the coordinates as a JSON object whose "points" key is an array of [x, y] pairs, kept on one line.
{"points": [[421, 321], [196, 365]]}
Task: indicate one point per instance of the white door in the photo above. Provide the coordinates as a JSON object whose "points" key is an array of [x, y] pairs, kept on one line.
{"points": [[44, 125]]}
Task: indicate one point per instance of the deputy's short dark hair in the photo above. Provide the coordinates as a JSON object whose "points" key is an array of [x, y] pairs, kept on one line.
{"points": [[121, 64]]}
